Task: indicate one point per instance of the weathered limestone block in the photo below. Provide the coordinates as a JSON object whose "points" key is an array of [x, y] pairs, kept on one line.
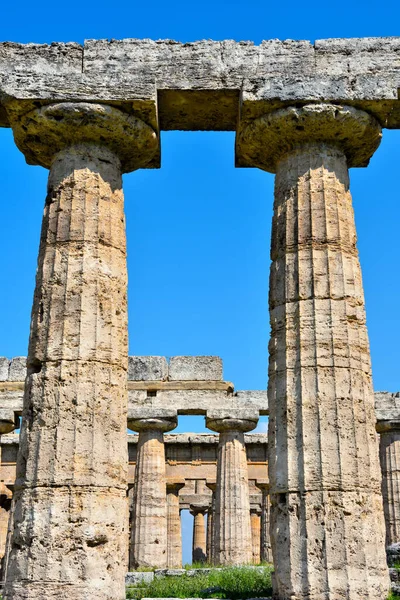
{"points": [[149, 528], [4, 364], [17, 369], [70, 508], [147, 368], [195, 368], [199, 546], [174, 532], [232, 526], [327, 528]]}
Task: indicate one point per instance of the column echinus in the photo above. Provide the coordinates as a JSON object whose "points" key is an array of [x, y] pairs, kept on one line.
{"points": [[149, 522], [327, 527], [232, 527], [70, 518]]}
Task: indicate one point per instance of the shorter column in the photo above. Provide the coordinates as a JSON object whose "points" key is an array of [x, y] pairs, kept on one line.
{"points": [[389, 453], [255, 519], [233, 545], [5, 506], [199, 548], [149, 527], [174, 533], [212, 485], [266, 553]]}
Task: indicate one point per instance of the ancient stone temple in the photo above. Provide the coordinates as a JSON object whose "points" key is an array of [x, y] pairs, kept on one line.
{"points": [[305, 112]]}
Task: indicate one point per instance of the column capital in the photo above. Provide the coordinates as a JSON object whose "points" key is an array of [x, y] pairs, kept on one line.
{"points": [[162, 424], [43, 132], [232, 420], [262, 484], [173, 486], [196, 509], [266, 140], [388, 426]]}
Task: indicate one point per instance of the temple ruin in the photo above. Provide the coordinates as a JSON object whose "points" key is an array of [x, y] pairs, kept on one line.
{"points": [[305, 112]]}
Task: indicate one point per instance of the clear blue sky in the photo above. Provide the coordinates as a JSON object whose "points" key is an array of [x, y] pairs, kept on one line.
{"points": [[199, 229]]}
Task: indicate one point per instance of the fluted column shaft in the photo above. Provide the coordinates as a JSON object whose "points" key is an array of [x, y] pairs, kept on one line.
{"points": [[149, 528], [255, 518], [389, 450], [174, 531], [232, 538], [327, 530], [266, 555], [199, 549], [212, 485], [70, 517]]}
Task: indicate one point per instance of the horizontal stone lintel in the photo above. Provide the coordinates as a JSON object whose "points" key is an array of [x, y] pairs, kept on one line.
{"points": [[185, 439], [203, 85]]}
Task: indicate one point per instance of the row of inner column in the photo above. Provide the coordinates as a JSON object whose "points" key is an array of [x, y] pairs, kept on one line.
{"points": [[230, 524]]}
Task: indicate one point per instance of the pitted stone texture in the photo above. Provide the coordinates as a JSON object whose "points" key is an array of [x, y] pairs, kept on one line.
{"points": [[232, 527], [79, 541], [70, 522], [326, 505], [17, 369], [43, 132], [266, 140], [147, 368], [4, 364], [195, 368], [387, 406], [149, 525]]}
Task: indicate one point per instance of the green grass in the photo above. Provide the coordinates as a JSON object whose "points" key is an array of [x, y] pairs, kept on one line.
{"points": [[230, 582]]}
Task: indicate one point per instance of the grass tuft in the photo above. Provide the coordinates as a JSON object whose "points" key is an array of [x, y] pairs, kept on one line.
{"points": [[237, 583]]}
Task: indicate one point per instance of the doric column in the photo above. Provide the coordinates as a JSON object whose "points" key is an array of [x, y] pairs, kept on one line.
{"points": [[327, 528], [255, 519], [70, 518], [389, 449], [233, 545], [265, 553], [149, 528], [199, 548], [212, 485], [174, 532]]}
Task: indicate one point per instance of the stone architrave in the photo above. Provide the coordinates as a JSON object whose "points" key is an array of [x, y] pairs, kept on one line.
{"points": [[174, 531], [389, 449], [327, 527], [149, 527], [232, 527], [70, 518], [199, 546]]}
